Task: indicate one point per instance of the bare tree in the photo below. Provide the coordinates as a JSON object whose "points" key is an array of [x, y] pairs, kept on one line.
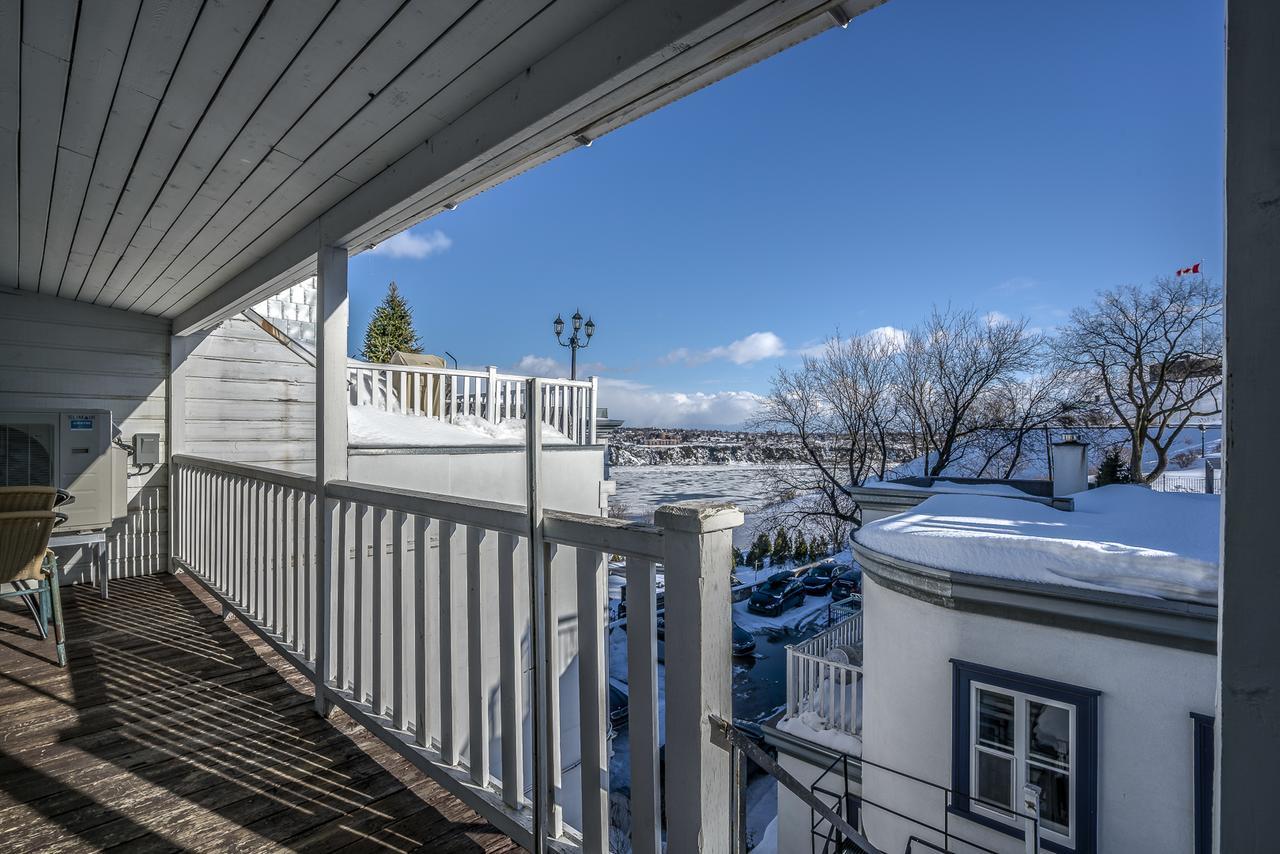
{"points": [[842, 406], [951, 367], [1154, 355]]}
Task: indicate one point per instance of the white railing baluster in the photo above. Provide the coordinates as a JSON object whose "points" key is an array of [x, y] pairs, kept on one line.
{"points": [[550, 670], [362, 605], [401, 609], [593, 695], [642, 703], [511, 678], [479, 596], [379, 603], [423, 629], [452, 644]]}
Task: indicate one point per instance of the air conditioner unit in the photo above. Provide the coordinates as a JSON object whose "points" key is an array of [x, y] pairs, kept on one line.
{"points": [[71, 450]]}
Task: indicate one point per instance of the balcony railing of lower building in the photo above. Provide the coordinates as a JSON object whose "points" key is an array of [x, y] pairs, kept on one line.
{"points": [[824, 684], [428, 625]]}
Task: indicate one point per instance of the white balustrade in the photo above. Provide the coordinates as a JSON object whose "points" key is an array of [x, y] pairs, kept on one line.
{"points": [[830, 690], [425, 586], [446, 394]]}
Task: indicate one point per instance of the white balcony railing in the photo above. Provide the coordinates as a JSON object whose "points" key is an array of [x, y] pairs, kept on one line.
{"points": [[429, 637], [447, 393], [824, 679]]}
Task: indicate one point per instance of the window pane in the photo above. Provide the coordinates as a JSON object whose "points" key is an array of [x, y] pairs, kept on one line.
{"points": [[995, 779], [1055, 797], [1049, 733], [995, 720]]}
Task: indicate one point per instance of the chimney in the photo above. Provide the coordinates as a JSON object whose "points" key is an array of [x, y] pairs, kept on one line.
{"points": [[1070, 466]]}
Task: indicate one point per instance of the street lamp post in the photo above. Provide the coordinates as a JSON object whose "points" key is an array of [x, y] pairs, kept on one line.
{"points": [[575, 343]]}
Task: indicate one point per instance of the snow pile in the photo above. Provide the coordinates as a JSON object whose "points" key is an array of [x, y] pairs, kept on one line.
{"points": [[1126, 539], [947, 486], [768, 843], [811, 727], [368, 426]]}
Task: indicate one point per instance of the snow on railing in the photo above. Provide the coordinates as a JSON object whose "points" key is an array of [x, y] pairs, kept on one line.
{"points": [[447, 393], [421, 636], [824, 678]]}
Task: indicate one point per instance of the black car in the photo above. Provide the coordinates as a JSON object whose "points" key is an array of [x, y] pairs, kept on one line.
{"points": [[818, 579], [618, 708], [743, 641], [848, 581], [782, 591]]}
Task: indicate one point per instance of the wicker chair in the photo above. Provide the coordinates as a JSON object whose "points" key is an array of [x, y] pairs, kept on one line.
{"points": [[15, 499], [25, 556]]}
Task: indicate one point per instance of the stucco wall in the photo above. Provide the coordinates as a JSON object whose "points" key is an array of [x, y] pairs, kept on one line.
{"points": [[1148, 692]]}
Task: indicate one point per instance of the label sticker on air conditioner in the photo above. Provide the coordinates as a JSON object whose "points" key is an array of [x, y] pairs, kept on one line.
{"points": [[81, 422]]}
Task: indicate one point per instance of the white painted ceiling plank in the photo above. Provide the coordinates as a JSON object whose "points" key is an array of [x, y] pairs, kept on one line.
{"points": [[102, 40], [219, 33], [420, 38], [158, 39], [339, 41], [10, 76], [275, 43], [48, 30]]}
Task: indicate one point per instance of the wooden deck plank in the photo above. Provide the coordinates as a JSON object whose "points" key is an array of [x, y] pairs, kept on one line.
{"points": [[174, 730]]}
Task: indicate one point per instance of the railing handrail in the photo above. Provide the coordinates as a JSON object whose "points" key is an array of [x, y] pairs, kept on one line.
{"points": [[355, 364], [279, 477]]}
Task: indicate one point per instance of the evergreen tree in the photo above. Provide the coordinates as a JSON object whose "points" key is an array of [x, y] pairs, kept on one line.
{"points": [[800, 553], [390, 329], [759, 549], [738, 559], [1112, 469], [781, 548], [818, 548]]}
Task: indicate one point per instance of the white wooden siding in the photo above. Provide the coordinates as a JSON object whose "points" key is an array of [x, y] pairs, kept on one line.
{"points": [[250, 400], [60, 354]]}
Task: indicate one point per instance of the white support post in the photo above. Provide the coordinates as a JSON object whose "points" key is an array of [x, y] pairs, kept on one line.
{"points": [[331, 438], [592, 403], [180, 349], [698, 537], [491, 396], [540, 645]]}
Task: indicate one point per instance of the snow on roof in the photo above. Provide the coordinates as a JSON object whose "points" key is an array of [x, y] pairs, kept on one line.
{"points": [[1125, 539], [1002, 489], [368, 426]]}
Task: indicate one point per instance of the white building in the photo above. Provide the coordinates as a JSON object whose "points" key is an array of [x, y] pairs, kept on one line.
{"points": [[1005, 643]]}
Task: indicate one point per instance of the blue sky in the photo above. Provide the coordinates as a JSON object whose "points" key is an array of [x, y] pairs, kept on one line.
{"points": [[1009, 156]]}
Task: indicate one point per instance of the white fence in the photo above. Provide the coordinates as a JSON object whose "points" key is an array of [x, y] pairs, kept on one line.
{"points": [[422, 588], [829, 690], [442, 393], [1188, 482]]}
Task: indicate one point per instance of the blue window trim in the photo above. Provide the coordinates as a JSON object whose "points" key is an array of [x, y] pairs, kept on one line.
{"points": [[1085, 700], [1202, 781]]}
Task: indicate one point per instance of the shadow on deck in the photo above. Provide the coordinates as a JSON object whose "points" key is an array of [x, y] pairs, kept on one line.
{"points": [[172, 730]]}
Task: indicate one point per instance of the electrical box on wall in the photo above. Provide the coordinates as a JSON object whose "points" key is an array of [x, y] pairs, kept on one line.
{"points": [[146, 449]]}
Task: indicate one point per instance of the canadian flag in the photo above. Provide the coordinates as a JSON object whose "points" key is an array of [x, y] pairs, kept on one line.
{"points": [[1194, 269]]}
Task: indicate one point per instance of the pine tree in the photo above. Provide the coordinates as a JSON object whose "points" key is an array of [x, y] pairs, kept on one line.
{"points": [[818, 548], [738, 559], [759, 549], [390, 329], [800, 553], [781, 548], [1112, 468]]}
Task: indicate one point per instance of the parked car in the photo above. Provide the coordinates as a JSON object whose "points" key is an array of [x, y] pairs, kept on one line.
{"points": [[743, 641], [618, 708], [818, 579], [848, 581], [782, 591]]}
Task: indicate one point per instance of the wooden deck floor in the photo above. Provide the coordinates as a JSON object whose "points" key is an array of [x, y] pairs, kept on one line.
{"points": [[172, 730]]}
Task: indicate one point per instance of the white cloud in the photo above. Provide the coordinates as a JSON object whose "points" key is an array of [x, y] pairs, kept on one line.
{"points": [[744, 351], [540, 366], [891, 335], [1017, 284], [995, 318], [407, 244], [642, 406]]}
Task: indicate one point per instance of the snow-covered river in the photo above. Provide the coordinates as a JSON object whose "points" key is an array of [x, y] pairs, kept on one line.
{"points": [[643, 489]]}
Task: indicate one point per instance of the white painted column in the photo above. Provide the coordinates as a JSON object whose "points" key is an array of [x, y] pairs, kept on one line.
{"points": [[180, 348], [698, 537], [331, 437], [1248, 715]]}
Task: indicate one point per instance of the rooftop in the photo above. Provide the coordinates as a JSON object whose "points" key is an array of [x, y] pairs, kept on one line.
{"points": [[1124, 539]]}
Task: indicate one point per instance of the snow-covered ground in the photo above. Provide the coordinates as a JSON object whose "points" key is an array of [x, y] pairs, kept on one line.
{"points": [[1127, 539], [368, 426]]}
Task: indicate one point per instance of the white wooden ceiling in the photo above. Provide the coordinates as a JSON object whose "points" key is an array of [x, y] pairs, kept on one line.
{"points": [[181, 157]]}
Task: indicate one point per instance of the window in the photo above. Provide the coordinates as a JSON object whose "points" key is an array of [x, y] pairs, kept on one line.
{"points": [[1011, 730], [1202, 741]]}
